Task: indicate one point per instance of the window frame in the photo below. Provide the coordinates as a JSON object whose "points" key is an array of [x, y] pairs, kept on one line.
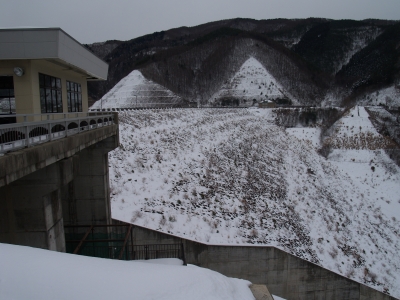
{"points": [[74, 96], [50, 90], [8, 92]]}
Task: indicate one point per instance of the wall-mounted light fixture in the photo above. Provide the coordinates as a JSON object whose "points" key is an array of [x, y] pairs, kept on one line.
{"points": [[18, 71]]}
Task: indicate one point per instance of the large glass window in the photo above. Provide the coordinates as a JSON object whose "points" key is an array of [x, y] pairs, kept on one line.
{"points": [[50, 94], [7, 97], [74, 94]]}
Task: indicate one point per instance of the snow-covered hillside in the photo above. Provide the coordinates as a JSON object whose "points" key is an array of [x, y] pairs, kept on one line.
{"points": [[233, 177], [251, 84], [135, 90], [355, 131], [388, 96], [30, 273]]}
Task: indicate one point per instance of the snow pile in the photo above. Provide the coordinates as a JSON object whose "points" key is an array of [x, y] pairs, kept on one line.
{"points": [[30, 273], [251, 83], [233, 177], [135, 90]]}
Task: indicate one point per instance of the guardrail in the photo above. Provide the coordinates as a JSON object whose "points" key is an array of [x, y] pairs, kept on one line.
{"points": [[116, 242], [33, 129], [105, 241], [155, 251]]}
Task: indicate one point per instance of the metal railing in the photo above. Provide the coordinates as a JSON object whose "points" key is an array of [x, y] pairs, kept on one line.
{"points": [[105, 241], [145, 252], [116, 242], [35, 129]]}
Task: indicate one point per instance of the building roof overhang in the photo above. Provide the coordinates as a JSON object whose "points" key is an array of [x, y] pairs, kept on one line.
{"points": [[54, 45]]}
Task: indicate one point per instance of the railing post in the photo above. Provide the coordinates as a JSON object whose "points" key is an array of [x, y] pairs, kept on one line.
{"points": [[49, 133], [132, 242], [146, 254], [82, 240], [183, 254], [125, 242], [27, 135]]}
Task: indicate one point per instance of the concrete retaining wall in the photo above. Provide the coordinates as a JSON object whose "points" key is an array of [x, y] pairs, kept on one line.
{"points": [[284, 274]]}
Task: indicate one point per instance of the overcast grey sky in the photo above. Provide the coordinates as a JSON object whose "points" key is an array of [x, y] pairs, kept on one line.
{"points": [[101, 20]]}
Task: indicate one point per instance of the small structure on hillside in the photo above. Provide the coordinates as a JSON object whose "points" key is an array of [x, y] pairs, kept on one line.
{"points": [[267, 104], [229, 101]]}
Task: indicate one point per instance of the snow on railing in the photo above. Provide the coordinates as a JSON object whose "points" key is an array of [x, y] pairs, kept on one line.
{"points": [[32, 129]]}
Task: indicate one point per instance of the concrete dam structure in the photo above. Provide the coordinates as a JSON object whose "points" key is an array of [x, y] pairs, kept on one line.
{"points": [[54, 170], [61, 182]]}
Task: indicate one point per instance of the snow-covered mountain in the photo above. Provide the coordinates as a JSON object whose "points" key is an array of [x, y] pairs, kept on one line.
{"points": [[234, 177], [251, 84], [318, 61], [134, 91]]}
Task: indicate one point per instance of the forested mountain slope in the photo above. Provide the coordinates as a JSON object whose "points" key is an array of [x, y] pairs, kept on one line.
{"points": [[314, 59]]}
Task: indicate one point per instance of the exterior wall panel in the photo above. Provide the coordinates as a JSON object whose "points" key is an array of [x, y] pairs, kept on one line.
{"points": [[50, 43]]}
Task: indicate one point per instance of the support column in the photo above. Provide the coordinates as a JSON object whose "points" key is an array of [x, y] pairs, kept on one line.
{"points": [[86, 200], [31, 210]]}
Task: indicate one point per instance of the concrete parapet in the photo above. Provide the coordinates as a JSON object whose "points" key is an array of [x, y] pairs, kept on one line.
{"points": [[21, 163], [285, 275]]}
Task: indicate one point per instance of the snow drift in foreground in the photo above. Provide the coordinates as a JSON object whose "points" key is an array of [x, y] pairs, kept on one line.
{"points": [[233, 177], [30, 273]]}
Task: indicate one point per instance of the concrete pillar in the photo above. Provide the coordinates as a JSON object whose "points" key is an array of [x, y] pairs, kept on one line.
{"points": [[31, 210], [86, 200]]}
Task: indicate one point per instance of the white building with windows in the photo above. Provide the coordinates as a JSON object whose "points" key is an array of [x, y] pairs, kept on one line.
{"points": [[53, 153], [45, 71]]}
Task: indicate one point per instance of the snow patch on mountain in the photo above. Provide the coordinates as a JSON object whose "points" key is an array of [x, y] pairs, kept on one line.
{"points": [[134, 91], [355, 131], [250, 85]]}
